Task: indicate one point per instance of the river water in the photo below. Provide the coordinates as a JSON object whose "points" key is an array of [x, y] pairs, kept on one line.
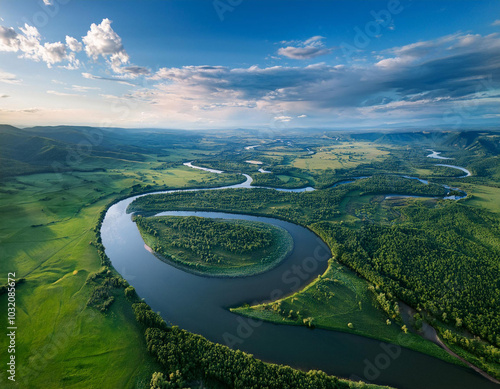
{"points": [[200, 305]]}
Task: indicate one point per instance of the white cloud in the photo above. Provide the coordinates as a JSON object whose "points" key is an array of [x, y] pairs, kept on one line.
{"points": [[73, 44], [47, 2], [389, 63], [496, 23], [133, 71], [53, 53], [302, 116], [28, 43], [310, 48], [421, 78], [8, 39], [283, 118], [8, 78], [424, 51], [102, 40], [80, 88], [57, 93], [94, 77]]}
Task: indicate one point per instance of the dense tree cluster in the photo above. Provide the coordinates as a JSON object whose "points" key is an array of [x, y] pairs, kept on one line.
{"points": [[103, 283], [399, 185], [297, 207], [273, 181], [387, 303], [187, 357], [443, 260], [483, 355], [202, 236]]}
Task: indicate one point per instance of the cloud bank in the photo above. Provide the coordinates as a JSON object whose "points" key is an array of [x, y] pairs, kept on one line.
{"points": [[418, 79], [410, 83]]}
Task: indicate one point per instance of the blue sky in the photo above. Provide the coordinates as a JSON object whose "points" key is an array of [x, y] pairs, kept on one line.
{"points": [[250, 64]]}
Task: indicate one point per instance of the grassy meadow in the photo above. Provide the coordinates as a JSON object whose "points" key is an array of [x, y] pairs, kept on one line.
{"points": [[47, 223]]}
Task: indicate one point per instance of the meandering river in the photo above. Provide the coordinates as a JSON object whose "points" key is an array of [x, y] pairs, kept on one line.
{"points": [[200, 305]]}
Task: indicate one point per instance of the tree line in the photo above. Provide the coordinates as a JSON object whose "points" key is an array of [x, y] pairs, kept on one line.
{"points": [[187, 357]]}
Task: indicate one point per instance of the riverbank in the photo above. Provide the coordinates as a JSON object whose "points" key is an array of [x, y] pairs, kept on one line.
{"points": [[339, 300]]}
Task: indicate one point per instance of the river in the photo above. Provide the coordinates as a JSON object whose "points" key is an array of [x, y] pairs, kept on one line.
{"points": [[200, 305]]}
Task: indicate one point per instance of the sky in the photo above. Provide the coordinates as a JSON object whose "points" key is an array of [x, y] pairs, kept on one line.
{"points": [[219, 64]]}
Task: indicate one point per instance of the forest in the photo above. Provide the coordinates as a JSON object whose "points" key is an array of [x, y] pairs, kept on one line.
{"points": [[187, 357], [216, 246], [304, 208], [51, 238], [440, 257]]}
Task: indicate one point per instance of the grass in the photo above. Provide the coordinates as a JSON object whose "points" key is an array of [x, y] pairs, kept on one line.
{"points": [[333, 301], [483, 196], [46, 226], [345, 155]]}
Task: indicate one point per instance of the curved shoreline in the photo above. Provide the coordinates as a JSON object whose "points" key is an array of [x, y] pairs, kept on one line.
{"points": [[435, 155], [467, 172], [247, 184], [282, 250]]}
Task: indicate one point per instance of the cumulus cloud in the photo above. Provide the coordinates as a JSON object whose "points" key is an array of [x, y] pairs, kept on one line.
{"points": [[102, 41], [28, 44], [310, 48], [73, 44], [8, 39]]}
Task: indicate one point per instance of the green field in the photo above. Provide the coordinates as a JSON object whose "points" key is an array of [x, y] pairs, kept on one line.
{"points": [[341, 301], [354, 210], [346, 155], [47, 223]]}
